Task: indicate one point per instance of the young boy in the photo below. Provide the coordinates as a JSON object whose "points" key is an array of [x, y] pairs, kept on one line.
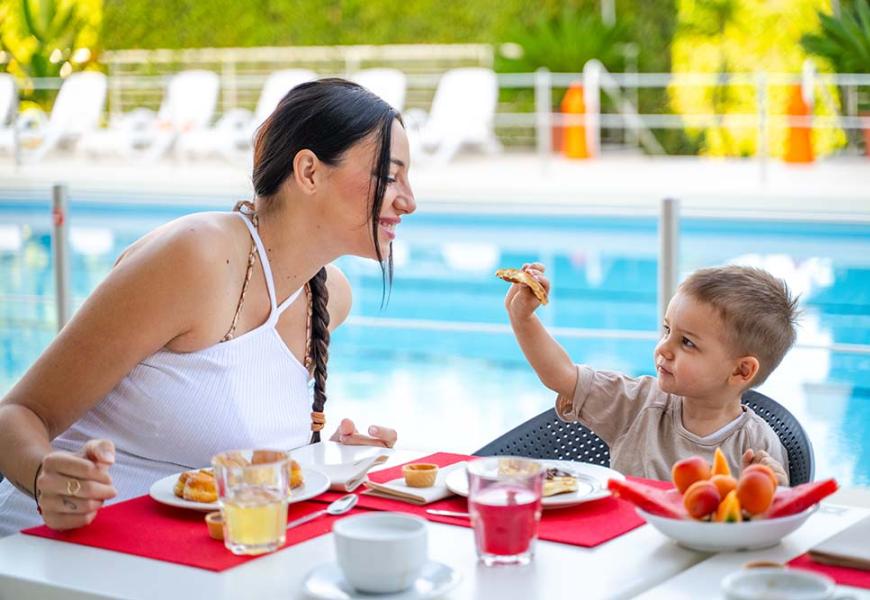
{"points": [[725, 330]]}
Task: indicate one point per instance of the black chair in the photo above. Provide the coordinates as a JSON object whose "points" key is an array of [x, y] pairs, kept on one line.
{"points": [[545, 436]]}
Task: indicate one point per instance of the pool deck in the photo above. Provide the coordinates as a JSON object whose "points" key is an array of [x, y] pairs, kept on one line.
{"points": [[832, 189]]}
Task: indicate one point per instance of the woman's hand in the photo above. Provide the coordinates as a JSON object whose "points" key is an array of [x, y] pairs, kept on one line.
{"points": [[71, 488], [378, 436], [760, 457], [520, 301]]}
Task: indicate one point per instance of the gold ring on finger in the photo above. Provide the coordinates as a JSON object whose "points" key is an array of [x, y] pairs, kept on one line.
{"points": [[73, 486]]}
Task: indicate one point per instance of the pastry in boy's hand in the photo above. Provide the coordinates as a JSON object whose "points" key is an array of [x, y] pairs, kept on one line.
{"points": [[525, 278]]}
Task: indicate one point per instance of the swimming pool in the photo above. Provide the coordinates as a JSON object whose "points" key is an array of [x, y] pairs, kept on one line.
{"points": [[439, 362]]}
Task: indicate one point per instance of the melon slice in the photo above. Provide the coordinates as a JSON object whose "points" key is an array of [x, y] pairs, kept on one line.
{"points": [[799, 498], [664, 503]]}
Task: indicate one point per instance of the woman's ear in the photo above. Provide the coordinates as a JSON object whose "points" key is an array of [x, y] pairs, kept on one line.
{"points": [[305, 170], [745, 370]]}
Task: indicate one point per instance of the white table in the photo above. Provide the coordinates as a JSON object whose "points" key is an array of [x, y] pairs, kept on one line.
{"points": [[702, 580], [35, 568]]}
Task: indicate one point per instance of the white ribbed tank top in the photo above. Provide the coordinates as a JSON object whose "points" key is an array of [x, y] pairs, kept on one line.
{"points": [[175, 410]]}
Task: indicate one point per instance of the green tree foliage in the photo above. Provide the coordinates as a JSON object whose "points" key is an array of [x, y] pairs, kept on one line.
{"points": [[42, 37], [844, 41]]}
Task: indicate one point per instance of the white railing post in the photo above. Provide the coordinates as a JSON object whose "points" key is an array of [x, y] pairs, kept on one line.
{"points": [[761, 145], [669, 253], [544, 114], [591, 97], [60, 250]]}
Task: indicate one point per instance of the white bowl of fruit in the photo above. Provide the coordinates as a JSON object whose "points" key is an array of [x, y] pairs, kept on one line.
{"points": [[712, 511]]}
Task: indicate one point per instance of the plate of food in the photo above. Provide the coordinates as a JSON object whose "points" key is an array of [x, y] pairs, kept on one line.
{"points": [[197, 489], [712, 511], [566, 482]]}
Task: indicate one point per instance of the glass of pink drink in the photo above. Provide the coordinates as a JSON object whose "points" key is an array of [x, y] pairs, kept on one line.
{"points": [[504, 500]]}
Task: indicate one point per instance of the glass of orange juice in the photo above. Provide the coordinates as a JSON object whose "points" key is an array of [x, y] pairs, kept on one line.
{"points": [[253, 496]]}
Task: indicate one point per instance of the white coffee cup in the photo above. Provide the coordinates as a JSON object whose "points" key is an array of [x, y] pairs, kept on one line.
{"points": [[381, 552], [777, 583]]}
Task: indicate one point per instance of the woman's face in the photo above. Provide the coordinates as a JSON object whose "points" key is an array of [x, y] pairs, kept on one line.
{"points": [[352, 184]]}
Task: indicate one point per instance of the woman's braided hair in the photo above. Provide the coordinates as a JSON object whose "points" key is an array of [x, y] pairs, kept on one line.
{"points": [[327, 117]]}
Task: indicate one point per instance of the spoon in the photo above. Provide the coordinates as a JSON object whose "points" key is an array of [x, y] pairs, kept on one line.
{"points": [[337, 507]]}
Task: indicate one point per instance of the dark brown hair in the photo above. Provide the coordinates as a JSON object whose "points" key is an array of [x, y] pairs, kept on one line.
{"points": [[327, 117], [757, 309]]}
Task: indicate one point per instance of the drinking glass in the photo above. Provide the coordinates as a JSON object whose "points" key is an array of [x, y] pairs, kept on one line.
{"points": [[253, 499], [504, 500]]}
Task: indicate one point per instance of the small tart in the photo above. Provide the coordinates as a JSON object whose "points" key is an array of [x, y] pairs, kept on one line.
{"points": [[420, 475], [215, 525]]}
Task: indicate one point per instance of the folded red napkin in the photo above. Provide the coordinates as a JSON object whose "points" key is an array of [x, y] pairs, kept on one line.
{"points": [[144, 527], [842, 575], [588, 524]]}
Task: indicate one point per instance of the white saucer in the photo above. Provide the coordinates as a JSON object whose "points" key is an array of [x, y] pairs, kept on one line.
{"points": [[326, 582], [162, 490], [591, 483]]}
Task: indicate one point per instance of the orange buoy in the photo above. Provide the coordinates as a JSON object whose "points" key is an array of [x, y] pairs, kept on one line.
{"points": [[574, 134], [798, 143]]}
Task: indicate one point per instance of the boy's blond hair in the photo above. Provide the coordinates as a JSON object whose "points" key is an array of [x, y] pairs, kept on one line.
{"points": [[756, 308]]}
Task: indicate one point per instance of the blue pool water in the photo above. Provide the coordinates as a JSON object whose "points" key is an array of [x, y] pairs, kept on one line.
{"points": [[437, 362]]}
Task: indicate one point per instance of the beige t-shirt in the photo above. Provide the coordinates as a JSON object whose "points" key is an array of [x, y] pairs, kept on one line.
{"points": [[644, 426]]}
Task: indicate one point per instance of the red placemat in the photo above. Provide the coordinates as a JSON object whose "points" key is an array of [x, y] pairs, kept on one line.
{"points": [[588, 524], [143, 527], [842, 575]]}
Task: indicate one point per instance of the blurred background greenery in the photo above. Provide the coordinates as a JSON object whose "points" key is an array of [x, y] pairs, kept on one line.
{"points": [[49, 38]]}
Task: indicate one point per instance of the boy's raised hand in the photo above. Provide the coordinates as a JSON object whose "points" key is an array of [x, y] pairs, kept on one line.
{"points": [[520, 302]]}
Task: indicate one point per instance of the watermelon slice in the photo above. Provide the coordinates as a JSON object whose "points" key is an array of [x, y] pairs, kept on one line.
{"points": [[664, 503], [799, 498]]}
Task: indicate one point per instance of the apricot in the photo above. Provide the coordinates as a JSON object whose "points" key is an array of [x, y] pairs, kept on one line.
{"points": [[689, 470], [701, 499], [724, 483], [755, 492], [763, 469]]}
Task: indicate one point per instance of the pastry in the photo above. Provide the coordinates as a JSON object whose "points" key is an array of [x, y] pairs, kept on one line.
{"points": [[200, 486], [420, 475], [525, 278], [179, 485], [296, 478], [557, 481]]}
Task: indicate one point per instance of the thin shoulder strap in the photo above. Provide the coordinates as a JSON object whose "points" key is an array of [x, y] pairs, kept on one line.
{"points": [[264, 259]]}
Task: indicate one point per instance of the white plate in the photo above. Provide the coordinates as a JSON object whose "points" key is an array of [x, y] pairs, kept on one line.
{"points": [[727, 537], [326, 582], [777, 583], [162, 490], [591, 482]]}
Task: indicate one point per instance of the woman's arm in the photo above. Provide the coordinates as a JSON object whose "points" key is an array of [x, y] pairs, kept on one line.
{"points": [[150, 298]]}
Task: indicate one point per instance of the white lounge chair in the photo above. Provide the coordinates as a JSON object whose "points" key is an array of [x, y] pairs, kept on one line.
{"points": [[389, 84], [187, 107], [76, 111], [462, 113], [233, 134], [8, 108]]}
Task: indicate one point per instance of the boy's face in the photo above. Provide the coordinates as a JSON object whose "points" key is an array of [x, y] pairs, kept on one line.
{"points": [[693, 358]]}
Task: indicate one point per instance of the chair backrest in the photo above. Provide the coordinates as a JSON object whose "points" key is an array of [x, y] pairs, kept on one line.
{"points": [[801, 460], [190, 100], [79, 103], [546, 436], [8, 99], [464, 101], [276, 87], [389, 84]]}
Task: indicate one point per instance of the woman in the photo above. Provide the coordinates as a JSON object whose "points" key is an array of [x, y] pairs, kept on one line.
{"points": [[206, 334]]}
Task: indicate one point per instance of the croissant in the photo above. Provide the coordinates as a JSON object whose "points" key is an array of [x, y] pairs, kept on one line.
{"points": [[200, 487]]}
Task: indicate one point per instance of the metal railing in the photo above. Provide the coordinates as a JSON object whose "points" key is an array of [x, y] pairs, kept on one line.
{"points": [[668, 270], [241, 89]]}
